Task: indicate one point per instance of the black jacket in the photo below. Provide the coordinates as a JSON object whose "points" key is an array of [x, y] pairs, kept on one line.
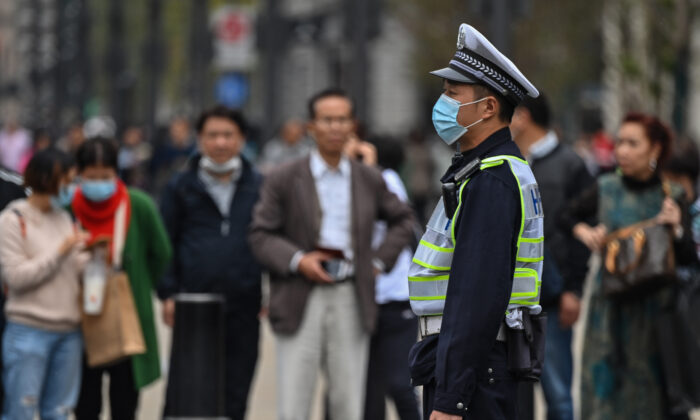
{"points": [[206, 259], [562, 176], [10, 187]]}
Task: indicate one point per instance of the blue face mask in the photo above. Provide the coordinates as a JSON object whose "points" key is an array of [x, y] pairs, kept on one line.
{"points": [[98, 191], [445, 118], [64, 197]]}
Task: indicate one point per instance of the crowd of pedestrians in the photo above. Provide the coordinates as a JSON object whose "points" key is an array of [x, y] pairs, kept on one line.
{"points": [[328, 216]]}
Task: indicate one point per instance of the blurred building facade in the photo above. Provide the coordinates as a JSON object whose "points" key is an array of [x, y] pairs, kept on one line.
{"points": [[321, 50], [63, 59], [143, 61], [43, 57]]}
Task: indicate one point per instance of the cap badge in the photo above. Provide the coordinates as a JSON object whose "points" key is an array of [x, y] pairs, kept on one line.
{"points": [[461, 37]]}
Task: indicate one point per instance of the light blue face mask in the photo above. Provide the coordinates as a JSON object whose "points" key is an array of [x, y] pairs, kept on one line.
{"points": [[98, 191], [64, 197], [445, 118]]}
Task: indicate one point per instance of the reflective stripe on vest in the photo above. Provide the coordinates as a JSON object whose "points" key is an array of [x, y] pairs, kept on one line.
{"points": [[430, 269]]}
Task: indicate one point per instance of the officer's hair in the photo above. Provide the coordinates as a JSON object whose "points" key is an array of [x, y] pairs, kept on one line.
{"points": [[329, 93], [506, 109], [539, 110], [221, 111]]}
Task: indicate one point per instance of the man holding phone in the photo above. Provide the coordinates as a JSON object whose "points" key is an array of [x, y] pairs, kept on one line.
{"points": [[312, 228]]}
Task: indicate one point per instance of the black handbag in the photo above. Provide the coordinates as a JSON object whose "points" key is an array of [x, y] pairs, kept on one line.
{"points": [[639, 259], [678, 338]]}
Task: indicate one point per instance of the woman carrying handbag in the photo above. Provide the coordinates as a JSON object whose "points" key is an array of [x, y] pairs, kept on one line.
{"points": [[127, 219], [629, 215]]}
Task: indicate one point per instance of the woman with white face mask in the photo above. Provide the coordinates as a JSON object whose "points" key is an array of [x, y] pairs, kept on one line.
{"points": [[41, 260], [146, 254]]}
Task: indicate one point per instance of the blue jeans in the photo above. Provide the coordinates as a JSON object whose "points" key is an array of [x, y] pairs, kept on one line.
{"points": [[558, 369], [42, 371]]}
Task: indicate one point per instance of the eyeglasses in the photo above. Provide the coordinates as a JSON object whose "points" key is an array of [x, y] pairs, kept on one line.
{"points": [[328, 121], [213, 135]]}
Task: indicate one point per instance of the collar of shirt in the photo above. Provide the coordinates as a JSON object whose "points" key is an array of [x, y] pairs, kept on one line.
{"points": [[494, 140], [319, 167], [543, 146]]}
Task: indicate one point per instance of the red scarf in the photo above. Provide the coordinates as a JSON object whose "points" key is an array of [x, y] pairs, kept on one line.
{"points": [[98, 218]]}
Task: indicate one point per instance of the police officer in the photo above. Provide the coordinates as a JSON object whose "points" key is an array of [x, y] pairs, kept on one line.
{"points": [[475, 277]]}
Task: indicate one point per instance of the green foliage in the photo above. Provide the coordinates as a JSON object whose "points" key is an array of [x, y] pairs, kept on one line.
{"points": [[176, 30], [630, 67]]}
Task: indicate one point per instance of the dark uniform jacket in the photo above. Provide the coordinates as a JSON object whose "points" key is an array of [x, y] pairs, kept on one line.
{"points": [[208, 257], [481, 277]]}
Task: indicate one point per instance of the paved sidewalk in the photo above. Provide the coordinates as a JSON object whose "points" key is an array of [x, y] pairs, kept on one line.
{"points": [[263, 396]]}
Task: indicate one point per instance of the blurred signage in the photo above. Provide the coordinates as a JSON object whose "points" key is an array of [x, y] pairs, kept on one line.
{"points": [[234, 37], [232, 90]]}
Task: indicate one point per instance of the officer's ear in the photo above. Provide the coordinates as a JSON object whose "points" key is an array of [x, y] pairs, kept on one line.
{"points": [[491, 107]]}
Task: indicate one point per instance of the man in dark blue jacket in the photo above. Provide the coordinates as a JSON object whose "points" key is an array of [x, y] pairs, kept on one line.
{"points": [[207, 210]]}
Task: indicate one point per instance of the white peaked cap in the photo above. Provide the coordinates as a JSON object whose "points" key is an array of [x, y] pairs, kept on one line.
{"points": [[478, 61]]}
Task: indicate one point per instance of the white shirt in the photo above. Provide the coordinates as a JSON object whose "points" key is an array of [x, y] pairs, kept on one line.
{"points": [[543, 146], [392, 286], [335, 199]]}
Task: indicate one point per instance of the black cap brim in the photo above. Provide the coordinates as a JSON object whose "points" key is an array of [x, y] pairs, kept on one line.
{"points": [[453, 75]]}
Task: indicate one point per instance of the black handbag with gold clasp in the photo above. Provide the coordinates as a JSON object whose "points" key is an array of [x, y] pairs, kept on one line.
{"points": [[638, 259]]}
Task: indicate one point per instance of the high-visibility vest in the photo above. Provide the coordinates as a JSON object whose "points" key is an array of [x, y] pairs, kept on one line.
{"points": [[429, 274]]}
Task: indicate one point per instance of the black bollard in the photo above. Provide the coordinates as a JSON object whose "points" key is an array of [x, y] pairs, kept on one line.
{"points": [[197, 361]]}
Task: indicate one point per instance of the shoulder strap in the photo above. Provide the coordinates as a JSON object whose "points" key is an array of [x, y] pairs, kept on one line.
{"points": [[119, 235], [500, 158], [469, 169], [22, 223], [666, 187]]}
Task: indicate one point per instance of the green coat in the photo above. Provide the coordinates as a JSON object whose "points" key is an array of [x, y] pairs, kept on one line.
{"points": [[147, 252]]}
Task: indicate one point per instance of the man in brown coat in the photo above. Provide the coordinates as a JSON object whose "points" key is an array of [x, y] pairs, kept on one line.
{"points": [[312, 228]]}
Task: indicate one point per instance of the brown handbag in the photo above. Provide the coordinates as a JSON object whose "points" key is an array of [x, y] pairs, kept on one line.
{"points": [[115, 333], [638, 259]]}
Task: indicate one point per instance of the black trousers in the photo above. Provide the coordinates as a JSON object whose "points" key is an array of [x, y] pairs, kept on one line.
{"points": [[495, 396], [242, 336], [526, 400], [123, 395], [388, 373]]}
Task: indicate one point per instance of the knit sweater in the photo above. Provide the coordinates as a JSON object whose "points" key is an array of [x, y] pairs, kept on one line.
{"points": [[43, 289]]}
